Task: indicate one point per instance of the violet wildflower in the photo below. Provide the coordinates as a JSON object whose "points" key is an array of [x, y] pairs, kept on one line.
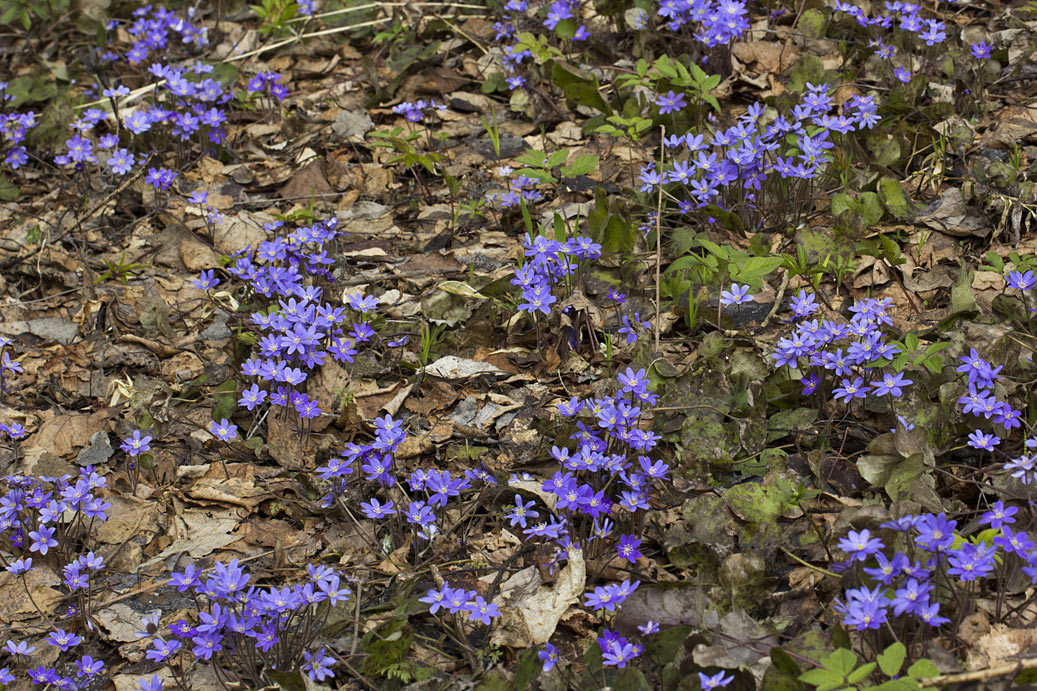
{"points": [[670, 103], [717, 681], [223, 430], [549, 656], [737, 295], [135, 444], [979, 440]]}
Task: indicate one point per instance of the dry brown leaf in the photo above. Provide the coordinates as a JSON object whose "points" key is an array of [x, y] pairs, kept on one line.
{"points": [[530, 611]]}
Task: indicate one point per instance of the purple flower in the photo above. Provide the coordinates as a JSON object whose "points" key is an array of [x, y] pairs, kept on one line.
{"points": [[224, 430], [737, 295], [980, 50], [42, 540], [161, 650], [20, 648], [521, 512], [890, 384], [63, 639], [374, 510], [935, 533], [648, 628], [717, 681], [481, 610], [804, 304], [154, 685], [89, 667], [136, 444], [979, 440], [121, 162], [929, 613], [549, 656], [318, 665], [206, 281], [999, 515], [1019, 543], [860, 545], [670, 103], [627, 548], [851, 390], [908, 598]]}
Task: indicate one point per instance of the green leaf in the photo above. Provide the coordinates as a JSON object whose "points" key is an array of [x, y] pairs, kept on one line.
{"points": [[582, 165], [532, 157], [812, 22], [9, 14], [8, 190], [823, 679], [842, 661], [557, 158], [894, 199], [861, 673], [565, 29], [870, 208], [619, 235], [664, 67], [289, 681], [784, 662], [581, 89], [754, 269], [842, 202], [528, 669], [923, 668]]}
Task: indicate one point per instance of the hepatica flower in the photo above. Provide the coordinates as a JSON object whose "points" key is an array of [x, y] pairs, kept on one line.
{"points": [[979, 440], [135, 444], [548, 656], [670, 103], [980, 50], [223, 430], [737, 295], [717, 681], [860, 545]]}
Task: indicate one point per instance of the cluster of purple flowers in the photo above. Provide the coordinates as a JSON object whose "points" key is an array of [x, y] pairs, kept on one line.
{"points": [[414, 112], [33, 513], [8, 366], [557, 14], [154, 28], [245, 630], [185, 104], [456, 600], [903, 584], [48, 519], [818, 346], [86, 667], [520, 188], [598, 484], [904, 18], [718, 23], [13, 127], [376, 460], [550, 264], [299, 328], [759, 162], [266, 83]]}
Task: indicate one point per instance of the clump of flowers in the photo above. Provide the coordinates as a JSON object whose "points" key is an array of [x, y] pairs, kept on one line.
{"points": [[13, 127], [716, 23], [761, 168], [244, 631]]}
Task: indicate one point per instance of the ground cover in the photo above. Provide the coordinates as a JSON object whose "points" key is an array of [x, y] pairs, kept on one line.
{"points": [[500, 345]]}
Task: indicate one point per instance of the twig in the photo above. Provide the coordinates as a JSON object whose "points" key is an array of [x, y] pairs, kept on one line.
{"points": [[979, 675], [810, 566], [658, 240]]}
